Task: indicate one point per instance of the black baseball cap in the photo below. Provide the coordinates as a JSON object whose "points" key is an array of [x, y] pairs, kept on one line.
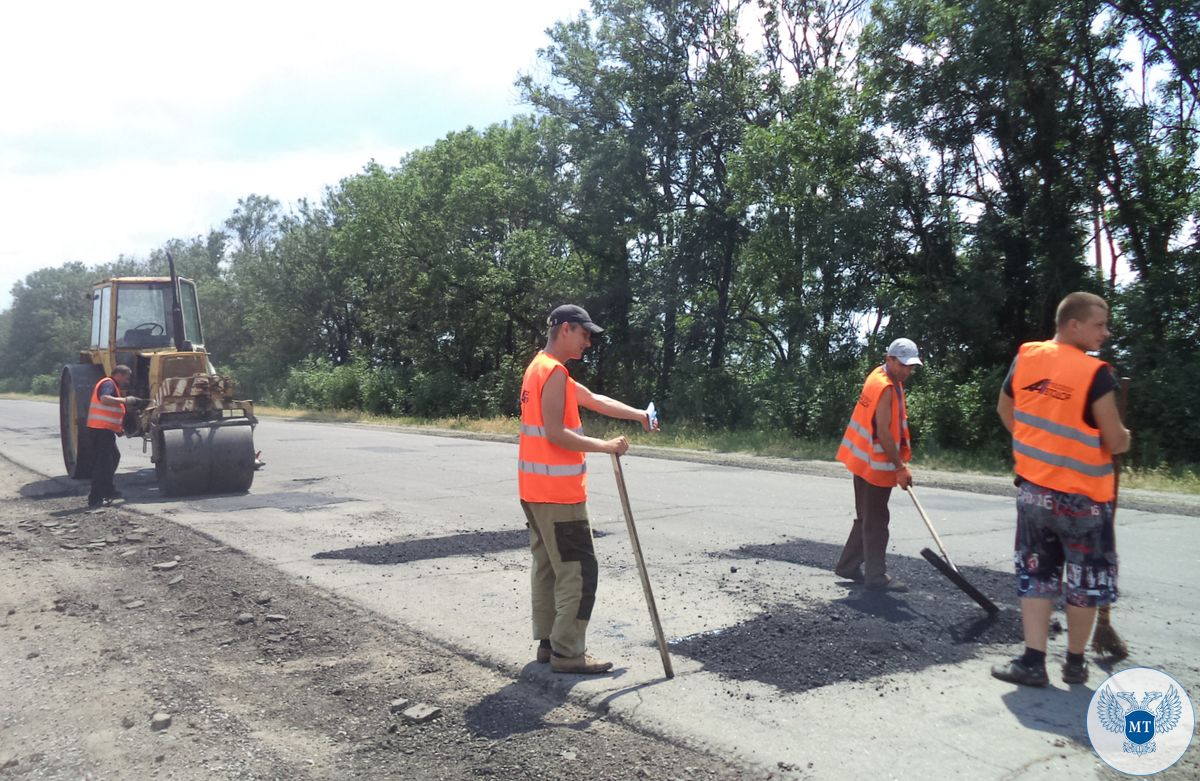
{"points": [[569, 313]]}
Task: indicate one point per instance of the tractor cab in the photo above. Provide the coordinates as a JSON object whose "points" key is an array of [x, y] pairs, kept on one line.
{"points": [[132, 324], [142, 306]]}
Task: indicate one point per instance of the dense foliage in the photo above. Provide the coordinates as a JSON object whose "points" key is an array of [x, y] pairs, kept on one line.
{"points": [[754, 197]]}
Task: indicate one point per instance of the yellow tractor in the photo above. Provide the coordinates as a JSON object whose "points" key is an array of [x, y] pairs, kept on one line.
{"points": [[201, 438]]}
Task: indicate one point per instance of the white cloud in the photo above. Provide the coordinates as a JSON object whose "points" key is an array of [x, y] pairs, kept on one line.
{"points": [[95, 214], [123, 125]]}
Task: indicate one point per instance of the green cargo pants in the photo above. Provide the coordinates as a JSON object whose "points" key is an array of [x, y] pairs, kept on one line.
{"points": [[563, 576]]}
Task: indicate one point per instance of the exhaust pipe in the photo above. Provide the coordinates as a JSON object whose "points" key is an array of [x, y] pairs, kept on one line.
{"points": [[181, 344]]}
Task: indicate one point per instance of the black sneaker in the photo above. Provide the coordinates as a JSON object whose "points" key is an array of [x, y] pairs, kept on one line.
{"points": [[94, 503], [1016, 671], [114, 496], [1075, 673]]}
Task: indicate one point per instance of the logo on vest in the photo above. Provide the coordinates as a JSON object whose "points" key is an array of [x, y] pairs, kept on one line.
{"points": [[1140, 721], [1054, 390]]}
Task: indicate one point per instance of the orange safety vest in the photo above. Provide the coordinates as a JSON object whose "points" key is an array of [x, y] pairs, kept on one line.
{"points": [[547, 473], [860, 450], [105, 414], [1052, 445]]}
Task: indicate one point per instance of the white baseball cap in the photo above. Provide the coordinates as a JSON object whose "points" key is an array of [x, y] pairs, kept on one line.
{"points": [[905, 351]]}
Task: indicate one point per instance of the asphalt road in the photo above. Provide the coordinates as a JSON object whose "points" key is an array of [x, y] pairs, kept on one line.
{"points": [[778, 664]]}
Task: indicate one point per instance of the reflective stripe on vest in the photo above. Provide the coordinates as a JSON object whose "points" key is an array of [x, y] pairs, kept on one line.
{"points": [[1053, 446], [107, 415], [860, 450], [540, 431], [547, 473], [564, 470]]}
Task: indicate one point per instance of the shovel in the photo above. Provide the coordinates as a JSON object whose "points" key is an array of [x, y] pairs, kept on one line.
{"points": [[945, 566]]}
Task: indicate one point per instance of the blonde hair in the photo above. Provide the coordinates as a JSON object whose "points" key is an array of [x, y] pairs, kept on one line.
{"points": [[1077, 306]]}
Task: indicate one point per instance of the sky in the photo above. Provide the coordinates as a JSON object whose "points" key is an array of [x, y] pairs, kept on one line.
{"points": [[124, 125]]}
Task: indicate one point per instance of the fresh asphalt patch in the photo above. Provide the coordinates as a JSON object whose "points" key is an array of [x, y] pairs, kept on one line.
{"points": [[865, 635]]}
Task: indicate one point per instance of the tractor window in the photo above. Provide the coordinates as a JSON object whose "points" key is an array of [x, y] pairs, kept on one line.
{"points": [[105, 308], [97, 320], [142, 316], [191, 312]]}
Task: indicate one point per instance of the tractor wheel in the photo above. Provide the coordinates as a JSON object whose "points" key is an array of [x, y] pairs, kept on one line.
{"points": [[74, 398]]}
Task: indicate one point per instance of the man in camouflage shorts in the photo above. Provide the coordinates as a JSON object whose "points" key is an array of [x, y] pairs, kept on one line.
{"points": [[1059, 402]]}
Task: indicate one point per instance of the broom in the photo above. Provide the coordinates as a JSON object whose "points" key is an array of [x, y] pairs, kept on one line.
{"points": [[1105, 640]]}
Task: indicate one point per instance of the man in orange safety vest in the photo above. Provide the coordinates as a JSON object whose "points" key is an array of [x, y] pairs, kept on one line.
{"points": [[552, 475], [1060, 405], [106, 420], [876, 449]]}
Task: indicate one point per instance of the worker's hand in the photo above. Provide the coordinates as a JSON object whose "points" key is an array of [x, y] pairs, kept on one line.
{"points": [[135, 400], [904, 477], [617, 446]]}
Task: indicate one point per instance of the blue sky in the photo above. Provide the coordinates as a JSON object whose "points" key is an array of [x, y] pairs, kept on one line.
{"points": [[123, 125]]}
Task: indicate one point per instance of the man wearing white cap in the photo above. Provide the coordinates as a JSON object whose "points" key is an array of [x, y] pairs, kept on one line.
{"points": [[876, 449]]}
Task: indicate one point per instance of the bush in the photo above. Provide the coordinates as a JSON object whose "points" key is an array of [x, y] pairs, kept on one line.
{"points": [[949, 413], [44, 384], [498, 392], [318, 384]]}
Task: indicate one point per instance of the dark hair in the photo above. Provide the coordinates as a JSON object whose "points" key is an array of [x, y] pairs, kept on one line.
{"points": [[1077, 306], [121, 368]]}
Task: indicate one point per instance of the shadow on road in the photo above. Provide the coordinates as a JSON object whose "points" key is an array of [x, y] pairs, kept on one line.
{"points": [[53, 488], [528, 704], [1058, 711], [466, 544], [422, 548]]}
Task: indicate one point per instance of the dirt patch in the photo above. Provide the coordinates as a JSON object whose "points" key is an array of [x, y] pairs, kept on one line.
{"points": [[136, 648]]}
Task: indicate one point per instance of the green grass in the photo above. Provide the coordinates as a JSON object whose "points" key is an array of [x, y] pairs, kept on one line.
{"points": [[1178, 479], [28, 397]]}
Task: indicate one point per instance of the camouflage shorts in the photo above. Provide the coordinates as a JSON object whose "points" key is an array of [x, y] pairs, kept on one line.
{"points": [[1065, 545]]}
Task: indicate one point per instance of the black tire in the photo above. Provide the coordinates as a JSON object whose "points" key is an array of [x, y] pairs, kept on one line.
{"points": [[74, 396]]}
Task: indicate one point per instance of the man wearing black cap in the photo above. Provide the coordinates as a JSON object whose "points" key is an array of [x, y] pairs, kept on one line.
{"points": [[552, 474]]}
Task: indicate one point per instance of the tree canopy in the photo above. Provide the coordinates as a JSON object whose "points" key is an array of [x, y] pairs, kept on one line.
{"points": [[754, 198]]}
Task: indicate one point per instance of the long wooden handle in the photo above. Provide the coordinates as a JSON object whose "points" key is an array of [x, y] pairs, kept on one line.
{"points": [[641, 564], [929, 525], [1104, 616]]}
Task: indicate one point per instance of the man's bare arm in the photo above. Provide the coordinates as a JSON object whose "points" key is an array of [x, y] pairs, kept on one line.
{"points": [[611, 407], [1113, 433], [1004, 408], [883, 432], [554, 401]]}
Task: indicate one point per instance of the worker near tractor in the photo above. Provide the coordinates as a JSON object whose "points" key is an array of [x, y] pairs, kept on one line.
{"points": [[552, 477], [1060, 405], [105, 420], [876, 449]]}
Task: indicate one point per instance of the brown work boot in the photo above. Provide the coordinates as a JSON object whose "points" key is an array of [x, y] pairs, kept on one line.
{"points": [[543, 654], [579, 665]]}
